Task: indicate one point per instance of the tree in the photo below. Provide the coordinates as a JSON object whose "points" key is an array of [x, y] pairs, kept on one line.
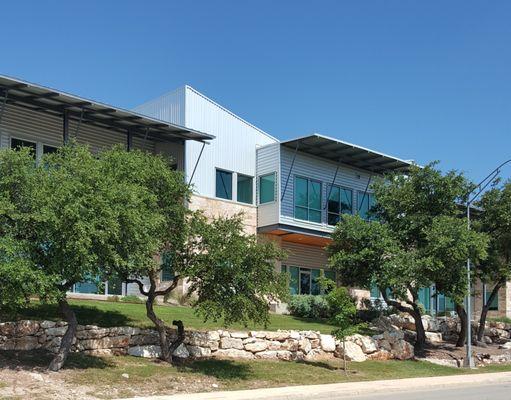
{"points": [[405, 251], [231, 275], [495, 221], [344, 312], [58, 215]]}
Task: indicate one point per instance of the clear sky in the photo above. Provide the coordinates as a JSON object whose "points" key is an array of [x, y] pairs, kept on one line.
{"points": [[420, 80]]}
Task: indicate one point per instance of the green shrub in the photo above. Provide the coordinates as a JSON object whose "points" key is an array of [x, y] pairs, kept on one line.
{"points": [[131, 299], [113, 299], [309, 306]]}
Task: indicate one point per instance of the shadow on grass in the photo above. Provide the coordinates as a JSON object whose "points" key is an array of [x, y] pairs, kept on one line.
{"points": [[86, 315], [40, 359], [220, 369]]}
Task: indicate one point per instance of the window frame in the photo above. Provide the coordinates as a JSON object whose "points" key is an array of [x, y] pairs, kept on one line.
{"points": [[217, 170], [251, 179], [308, 208], [341, 188], [274, 198], [369, 195]]}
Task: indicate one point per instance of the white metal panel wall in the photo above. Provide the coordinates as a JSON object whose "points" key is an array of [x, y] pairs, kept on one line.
{"points": [[268, 161], [301, 255], [170, 107], [319, 169], [233, 149], [175, 150]]}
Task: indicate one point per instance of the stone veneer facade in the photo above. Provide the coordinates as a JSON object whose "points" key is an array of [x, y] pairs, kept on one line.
{"points": [[504, 300]]}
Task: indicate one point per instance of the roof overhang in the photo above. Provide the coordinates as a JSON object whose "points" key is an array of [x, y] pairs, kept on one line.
{"points": [[294, 234], [43, 99], [339, 151]]}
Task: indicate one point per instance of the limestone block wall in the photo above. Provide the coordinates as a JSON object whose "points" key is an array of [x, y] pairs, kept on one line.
{"points": [[504, 300]]}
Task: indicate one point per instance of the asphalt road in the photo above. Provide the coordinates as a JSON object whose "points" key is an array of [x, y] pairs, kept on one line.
{"points": [[501, 391]]}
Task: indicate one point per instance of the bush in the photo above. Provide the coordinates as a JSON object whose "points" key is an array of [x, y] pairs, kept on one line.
{"points": [[309, 306], [373, 309], [131, 299]]}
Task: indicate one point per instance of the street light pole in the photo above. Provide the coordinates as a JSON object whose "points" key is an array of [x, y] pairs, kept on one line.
{"points": [[469, 361]]}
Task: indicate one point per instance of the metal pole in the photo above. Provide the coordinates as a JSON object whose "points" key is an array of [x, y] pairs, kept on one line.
{"points": [[469, 361]]}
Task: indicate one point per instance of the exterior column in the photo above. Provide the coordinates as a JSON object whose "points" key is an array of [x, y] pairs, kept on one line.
{"points": [[129, 143]]}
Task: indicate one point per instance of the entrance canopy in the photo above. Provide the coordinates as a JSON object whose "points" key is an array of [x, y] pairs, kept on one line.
{"points": [[346, 153], [42, 99]]}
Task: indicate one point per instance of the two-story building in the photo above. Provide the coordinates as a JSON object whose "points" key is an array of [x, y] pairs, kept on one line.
{"points": [[291, 191]]}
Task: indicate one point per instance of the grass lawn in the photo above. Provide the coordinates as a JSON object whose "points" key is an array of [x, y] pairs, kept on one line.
{"points": [[111, 377], [107, 314]]}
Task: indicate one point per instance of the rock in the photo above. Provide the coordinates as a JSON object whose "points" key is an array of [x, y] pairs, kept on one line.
{"points": [[239, 335], [125, 376], [317, 354], [7, 329], [441, 361], [57, 331], [47, 324], [9, 344], [199, 352], [487, 340], [304, 345], [233, 353], [181, 351], [258, 334], [26, 328], [92, 333], [259, 345], [294, 335], [145, 339], [505, 346], [150, 351], [231, 343], [224, 333], [425, 322], [279, 335], [314, 343], [402, 350], [27, 343], [434, 337], [433, 325], [380, 355], [124, 330], [36, 376], [392, 336], [366, 343], [327, 343], [290, 345], [284, 355], [274, 345], [310, 334], [267, 355], [385, 345], [203, 339], [214, 385], [104, 343], [352, 351]]}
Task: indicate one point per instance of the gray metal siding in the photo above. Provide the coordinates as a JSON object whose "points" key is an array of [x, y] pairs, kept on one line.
{"points": [[315, 168], [268, 161], [42, 128], [300, 255], [169, 107]]}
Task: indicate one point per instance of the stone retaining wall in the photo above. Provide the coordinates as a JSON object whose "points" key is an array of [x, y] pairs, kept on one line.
{"points": [[280, 345]]}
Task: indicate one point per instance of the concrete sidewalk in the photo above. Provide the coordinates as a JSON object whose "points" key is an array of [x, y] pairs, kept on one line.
{"points": [[345, 389]]}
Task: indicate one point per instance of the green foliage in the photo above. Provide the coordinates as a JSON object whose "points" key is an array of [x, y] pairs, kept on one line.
{"points": [[131, 299], [309, 306], [344, 312]]}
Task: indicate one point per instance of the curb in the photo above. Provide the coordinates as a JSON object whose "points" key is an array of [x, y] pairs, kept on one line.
{"points": [[344, 389]]}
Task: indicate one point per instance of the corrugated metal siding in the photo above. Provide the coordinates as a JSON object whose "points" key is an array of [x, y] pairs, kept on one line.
{"points": [[169, 107], [300, 255], [46, 129], [268, 161], [175, 150], [233, 149], [316, 168]]}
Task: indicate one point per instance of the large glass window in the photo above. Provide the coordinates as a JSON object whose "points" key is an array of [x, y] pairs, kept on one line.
{"points": [[340, 201], [17, 144], [366, 202], [245, 189], [224, 184], [305, 280], [494, 306], [307, 199], [267, 188], [167, 271]]}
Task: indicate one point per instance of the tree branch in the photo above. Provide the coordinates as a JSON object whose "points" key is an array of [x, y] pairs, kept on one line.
{"points": [[172, 286], [395, 303], [140, 285]]}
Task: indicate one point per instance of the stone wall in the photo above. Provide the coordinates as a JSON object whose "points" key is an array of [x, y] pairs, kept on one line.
{"points": [[279, 345]]}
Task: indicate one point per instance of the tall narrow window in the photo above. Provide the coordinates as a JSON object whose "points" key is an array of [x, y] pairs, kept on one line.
{"points": [[366, 202], [340, 202], [245, 189], [494, 306], [167, 272], [224, 184], [17, 144], [307, 199], [267, 188]]}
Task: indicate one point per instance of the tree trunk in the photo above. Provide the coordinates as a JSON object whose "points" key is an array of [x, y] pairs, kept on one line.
{"points": [[420, 341], [484, 311], [462, 336], [67, 340]]}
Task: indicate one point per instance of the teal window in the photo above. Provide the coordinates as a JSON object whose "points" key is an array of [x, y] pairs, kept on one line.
{"points": [[267, 188], [49, 149], [494, 306], [245, 189], [366, 202], [340, 201], [304, 280], [307, 199], [167, 271], [17, 144], [223, 184], [375, 292], [425, 298]]}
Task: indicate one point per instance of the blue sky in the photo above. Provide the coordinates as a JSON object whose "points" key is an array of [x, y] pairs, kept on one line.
{"points": [[421, 80]]}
